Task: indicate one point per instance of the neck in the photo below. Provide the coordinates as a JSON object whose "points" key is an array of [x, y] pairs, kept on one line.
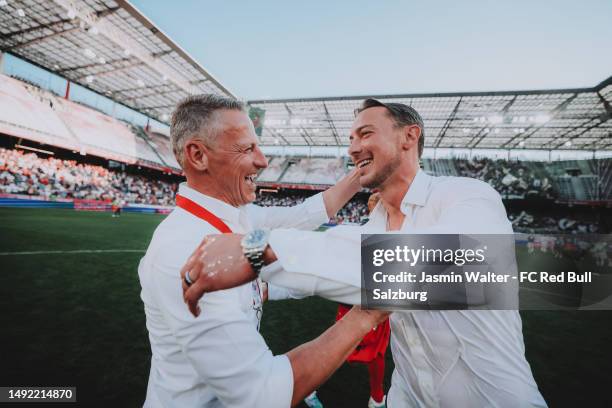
{"points": [[394, 189], [207, 187]]}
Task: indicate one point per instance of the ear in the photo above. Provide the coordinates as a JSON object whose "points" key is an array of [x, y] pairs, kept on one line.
{"points": [[411, 136], [196, 155]]}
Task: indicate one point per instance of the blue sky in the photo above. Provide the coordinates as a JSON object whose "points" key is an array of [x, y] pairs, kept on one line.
{"points": [[280, 49]]}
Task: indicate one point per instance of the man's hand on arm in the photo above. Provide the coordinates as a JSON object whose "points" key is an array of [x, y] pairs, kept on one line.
{"points": [[217, 263], [314, 362]]}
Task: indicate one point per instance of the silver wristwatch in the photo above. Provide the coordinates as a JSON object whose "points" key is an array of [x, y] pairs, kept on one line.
{"points": [[253, 245]]}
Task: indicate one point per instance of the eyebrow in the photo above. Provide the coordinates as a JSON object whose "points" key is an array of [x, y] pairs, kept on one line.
{"points": [[362, 128]]}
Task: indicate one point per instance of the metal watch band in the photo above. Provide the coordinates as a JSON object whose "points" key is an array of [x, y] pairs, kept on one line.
{"points": [[256, 260]]}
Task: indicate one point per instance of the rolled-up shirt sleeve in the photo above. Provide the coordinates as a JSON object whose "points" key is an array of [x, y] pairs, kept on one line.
{"points": [[226, 350], [305, 216]]}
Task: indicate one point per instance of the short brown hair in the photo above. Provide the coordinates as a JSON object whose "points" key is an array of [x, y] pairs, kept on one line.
{"points": [[403, 115]]}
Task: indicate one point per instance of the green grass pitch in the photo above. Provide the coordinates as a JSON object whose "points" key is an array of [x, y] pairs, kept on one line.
{"points": [[77, 319]]}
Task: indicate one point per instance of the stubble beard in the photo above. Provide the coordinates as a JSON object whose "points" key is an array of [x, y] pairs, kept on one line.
{"points": [[384, 173]]}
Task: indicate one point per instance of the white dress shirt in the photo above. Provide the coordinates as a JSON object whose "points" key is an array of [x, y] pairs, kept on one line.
{"points": [[218, 359], [442, 358]]}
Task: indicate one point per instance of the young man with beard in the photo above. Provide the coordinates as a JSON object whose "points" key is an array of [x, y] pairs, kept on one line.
{"points": [[457, 358]]}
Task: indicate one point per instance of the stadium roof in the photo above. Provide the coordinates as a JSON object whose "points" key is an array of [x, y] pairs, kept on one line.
{"points": [[573, 119], [107, 46]]}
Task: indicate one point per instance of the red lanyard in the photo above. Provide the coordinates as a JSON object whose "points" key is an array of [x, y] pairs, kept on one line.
{"points": [[201, 212]]}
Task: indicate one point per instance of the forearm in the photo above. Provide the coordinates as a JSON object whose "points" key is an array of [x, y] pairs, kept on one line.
{"points": [[337, 196], [314, 362]]}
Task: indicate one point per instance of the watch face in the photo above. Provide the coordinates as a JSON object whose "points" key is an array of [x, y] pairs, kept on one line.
{"points": [[255, 238]]}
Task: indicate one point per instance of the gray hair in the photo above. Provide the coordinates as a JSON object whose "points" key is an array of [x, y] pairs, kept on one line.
{"points": [[403, 115], [197, 115]]}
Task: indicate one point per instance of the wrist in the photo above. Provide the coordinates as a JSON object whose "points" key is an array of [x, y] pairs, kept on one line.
{"points": [[362, 319], [269, 256]]}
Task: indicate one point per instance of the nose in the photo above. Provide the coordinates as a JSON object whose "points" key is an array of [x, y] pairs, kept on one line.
{"points": [[354, 149], [260, 160]]}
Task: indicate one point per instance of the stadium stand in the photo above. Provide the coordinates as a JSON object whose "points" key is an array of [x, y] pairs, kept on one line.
{"points": [[29, 174], [276, 167], [314, 171], [23, 114], [29, 112]]}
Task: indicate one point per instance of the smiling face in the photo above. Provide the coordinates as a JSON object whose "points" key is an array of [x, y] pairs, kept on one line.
{"points": [[375, 146], [235, 158]]}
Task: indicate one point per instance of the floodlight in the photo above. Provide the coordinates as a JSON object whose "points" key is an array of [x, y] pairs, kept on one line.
{"points": [[568, 143], [89, 79], [71, 14], [522, 143], [3, 3], [102, 60], [20, 13], [165, 116]]}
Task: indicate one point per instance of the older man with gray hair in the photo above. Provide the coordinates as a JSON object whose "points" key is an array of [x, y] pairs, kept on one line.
{"points": [[219, 359]]}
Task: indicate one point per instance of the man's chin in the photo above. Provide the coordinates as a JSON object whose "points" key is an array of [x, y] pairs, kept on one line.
{"points": [[369, 181]]}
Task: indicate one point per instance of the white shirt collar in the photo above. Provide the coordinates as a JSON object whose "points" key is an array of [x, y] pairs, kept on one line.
{"points": [[418, 190], [416, 195], [220, 208]]}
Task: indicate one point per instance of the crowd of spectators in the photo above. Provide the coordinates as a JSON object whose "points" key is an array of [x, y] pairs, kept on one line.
{"points": [[354, 212], [50, 177], [524, 221], [27, 173], [512, 179]]}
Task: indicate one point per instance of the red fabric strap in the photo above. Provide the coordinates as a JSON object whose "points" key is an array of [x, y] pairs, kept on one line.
{"points": [[201, 212]]}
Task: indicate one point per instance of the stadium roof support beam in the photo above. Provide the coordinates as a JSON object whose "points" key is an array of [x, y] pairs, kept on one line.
{"points": [[78, 67], [577, 135], [51, 27], [477, 138], [331, 125], [177, 49], [306, 136], [275, 133], [43, 38], [503, 111], [41, 27], [112, 70], [447, 124], [131, 46], [554, 112]]}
